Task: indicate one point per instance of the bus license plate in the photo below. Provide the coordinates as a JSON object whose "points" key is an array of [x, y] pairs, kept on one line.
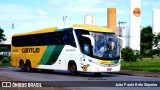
{"points": [[109, 69]]}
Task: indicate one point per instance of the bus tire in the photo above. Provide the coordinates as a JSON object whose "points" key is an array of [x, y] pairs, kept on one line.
{"points": [[97, 74], [22, 66], [28, 66], [72, 69], [34, 70]]}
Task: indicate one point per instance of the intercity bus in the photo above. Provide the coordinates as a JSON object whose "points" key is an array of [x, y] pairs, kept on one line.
{"points": [[77, 48]]}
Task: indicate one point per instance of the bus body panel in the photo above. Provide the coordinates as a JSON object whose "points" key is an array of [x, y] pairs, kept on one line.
{"points": [[57, 57], [27, 53], [67, 54]]}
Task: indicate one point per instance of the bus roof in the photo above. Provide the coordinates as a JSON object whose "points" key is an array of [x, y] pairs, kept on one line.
{"points": [[52, 29], [93, 28], [85, 26]]}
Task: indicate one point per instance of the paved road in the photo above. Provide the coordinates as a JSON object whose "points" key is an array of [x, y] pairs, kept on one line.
{"points": [[16, 74]]}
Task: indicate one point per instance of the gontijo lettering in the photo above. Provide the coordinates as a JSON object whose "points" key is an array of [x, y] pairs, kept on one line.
{"points": [[30, 50]]}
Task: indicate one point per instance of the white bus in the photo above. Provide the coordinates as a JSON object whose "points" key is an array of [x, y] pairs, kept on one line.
{"points": [[79, 48]]}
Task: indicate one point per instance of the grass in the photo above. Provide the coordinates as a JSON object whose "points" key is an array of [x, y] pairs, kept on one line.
{"points": [[5, 64], [148, 64]]}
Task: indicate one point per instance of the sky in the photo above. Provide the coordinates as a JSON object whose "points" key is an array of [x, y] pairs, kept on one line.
{"points": [[30, 15]]}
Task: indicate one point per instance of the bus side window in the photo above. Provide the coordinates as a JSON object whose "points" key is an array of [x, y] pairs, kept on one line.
{"points": [[29, 41], [33, 41], [15, 41], [38, 39], [51, 36], [65, 38], [45, 39], [57, 38], [48, 39], [71, 39], [61, 38]]}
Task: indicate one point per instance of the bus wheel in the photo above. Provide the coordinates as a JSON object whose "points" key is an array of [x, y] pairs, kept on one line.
{"points": [[22, 66], [28, 66], [73, 69], [97, 74]]}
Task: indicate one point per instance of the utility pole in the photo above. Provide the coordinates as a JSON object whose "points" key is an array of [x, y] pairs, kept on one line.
{"points": [[12, 28], [64, 20], [120, 28], [121, 23]]}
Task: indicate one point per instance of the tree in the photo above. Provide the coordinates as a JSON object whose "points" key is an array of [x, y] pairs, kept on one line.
{"points": [[2, 35], [146, 40], [129, 55], [1, 38], [156, 44]]}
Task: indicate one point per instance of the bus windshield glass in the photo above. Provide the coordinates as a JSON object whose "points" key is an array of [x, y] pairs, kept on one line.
{"points": [[106, 45]]}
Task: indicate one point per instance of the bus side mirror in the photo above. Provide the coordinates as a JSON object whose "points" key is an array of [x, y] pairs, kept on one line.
{"points": [[120, 39], [91, 38]]}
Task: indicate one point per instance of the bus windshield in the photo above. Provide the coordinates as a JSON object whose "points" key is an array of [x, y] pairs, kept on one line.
{"points": [[106, 45]]}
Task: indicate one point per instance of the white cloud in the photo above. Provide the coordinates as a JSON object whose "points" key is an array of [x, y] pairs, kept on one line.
{"points": [[50, 13], [42, 12], [110, 3], [123, 11], [145, 3], [151, 3], [84, 6], [74, 6], [25, 18], [14, 13]]}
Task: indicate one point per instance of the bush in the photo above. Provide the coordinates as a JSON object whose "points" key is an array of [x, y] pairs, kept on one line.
{"points": [[157, 52], [5, 60], [129, 55], [1, 57]]}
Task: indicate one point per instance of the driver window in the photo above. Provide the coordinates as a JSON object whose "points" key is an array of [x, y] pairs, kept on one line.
{"points": [[86, 49]]}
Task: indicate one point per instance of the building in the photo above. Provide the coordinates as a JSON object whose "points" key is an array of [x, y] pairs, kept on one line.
{"points": [[89, 19], [123, 32], [135, 12], [156, 21], [7, 44], [111, 18]]}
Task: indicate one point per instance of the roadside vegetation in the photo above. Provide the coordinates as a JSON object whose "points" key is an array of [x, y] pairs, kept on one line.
{"points": [[4, 54], [5, 60], [148, 58], [146, 64]]}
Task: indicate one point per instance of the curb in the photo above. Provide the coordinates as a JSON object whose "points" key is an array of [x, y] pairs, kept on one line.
{"points": [[139, 73]]}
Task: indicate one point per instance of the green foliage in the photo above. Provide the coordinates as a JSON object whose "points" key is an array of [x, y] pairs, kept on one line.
{"points": [[156, 44], [3, 48], [1, 57], [2, 35], [126, 54], [136, 55], [129, 55], [9, 57], [5, 64], [5, 60], [147, 64], [156, 40], [157, 52], [146, 40]]}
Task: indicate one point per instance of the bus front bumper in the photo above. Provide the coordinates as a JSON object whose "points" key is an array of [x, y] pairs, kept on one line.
{"points": [[103, 68]]}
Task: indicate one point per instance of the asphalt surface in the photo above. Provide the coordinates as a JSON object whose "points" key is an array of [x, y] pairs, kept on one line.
{"points": [[14, 74]]}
